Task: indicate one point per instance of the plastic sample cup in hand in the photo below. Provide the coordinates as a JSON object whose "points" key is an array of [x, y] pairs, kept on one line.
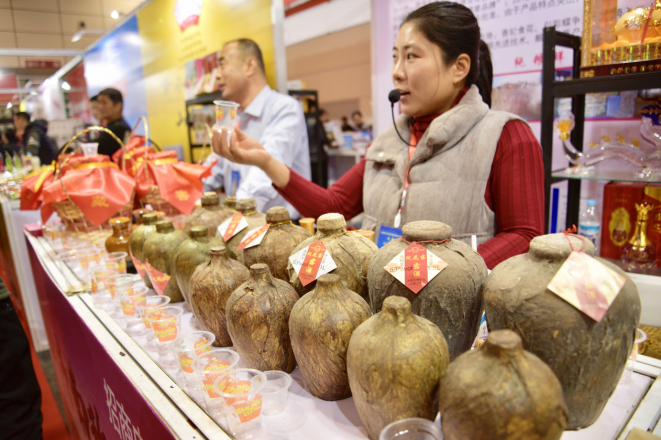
{"points": [[166, 324], [116, 260], [411, 429], [242, 400], [226, 115], [187, 348], [275, 392], [209, 367]]}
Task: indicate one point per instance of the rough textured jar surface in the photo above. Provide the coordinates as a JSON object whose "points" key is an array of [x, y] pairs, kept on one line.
{"points": [[258, 321], [119, 240], [211, 214], [500, 391], [588, 357], [321, 324], [190, 254], [395, 362], [159, 250], [278, 243], [137, 242], [211, 285], [351, 252], [453, 299], [247, 207]]}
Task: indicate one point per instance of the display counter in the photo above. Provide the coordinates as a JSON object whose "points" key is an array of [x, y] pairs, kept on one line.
{"points": [[112, 388]]}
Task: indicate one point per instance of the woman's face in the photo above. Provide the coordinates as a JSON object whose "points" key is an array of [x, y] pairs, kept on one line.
{"points": [[427, 85]]}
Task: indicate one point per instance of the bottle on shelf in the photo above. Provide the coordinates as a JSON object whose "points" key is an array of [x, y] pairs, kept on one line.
{"points": [[640, 253], [589, 225]]}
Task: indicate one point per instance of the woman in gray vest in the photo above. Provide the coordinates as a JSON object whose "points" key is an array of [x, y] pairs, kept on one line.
{"points": [[478, 170]]}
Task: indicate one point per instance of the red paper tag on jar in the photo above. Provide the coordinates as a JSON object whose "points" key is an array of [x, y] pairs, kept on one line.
{"points": [[415, 267], [233, 225], [312, 262], [159, 280], [253, 237], [140, 267]]}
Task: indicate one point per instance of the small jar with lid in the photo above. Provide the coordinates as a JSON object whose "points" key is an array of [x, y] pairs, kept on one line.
{"points": [[119, 240]]}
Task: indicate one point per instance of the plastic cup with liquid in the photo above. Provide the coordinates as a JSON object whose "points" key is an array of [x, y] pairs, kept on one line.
{"points": [[226, 115], [145, 306], [210, 366], [275, 392], [411, 429], [116, 260], [187, 348], [100, 294], [128, 299], [627, 375], [242, 401], [115, 284], [166, 324]]}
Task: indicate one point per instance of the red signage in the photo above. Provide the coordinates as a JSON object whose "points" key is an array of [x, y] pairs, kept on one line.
{"points": [[42, 64]]}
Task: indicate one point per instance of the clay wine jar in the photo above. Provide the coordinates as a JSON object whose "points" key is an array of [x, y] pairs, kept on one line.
{"points": [[211, 285], [159, 250], [321, 324], [137, 241], [351, 252], [500, 391], [453, 299], [247, 207], [119, 240], [278, 243], [190, 254], [258, 321], [395, 363], [588, 357], [210, 214]]}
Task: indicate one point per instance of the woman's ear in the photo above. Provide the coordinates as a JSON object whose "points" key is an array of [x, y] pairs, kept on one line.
{"points": [[462, 66]]}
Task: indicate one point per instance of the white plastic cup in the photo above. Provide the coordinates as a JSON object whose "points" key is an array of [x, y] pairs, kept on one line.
{"points": [[242, 400], [226, 115], [116, 260], [166, 323], [210, 366], [89, 149], [627, 375], [411, 429], [187, 348], [100, 294], [275, 392], [128, 299]]}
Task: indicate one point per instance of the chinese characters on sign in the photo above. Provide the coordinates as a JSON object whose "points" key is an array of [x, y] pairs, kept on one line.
{"points": [[232, 226], [118, 417], [253, 237], [415, 266], [312, 262]]}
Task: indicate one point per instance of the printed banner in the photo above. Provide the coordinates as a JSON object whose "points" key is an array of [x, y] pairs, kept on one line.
{"points": [[254, 237], [158, 279], [415, 266], [140, 267], [312, 262], [232, 226]]}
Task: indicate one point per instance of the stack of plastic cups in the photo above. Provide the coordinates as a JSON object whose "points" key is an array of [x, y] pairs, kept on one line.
{"points": [[116, 260], [128, 299], [209, 367], [100, 293], [186, 349], [116, 284], [242, 401], [145, 306], [166, 324]]}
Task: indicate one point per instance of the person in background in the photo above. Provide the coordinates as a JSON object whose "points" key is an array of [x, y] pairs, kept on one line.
{"points": [[276, 120], [33, 138], [10, 143], [359, 125], [323, 116], [20, 395], [95, 109], [345, 124], [111, 104]]}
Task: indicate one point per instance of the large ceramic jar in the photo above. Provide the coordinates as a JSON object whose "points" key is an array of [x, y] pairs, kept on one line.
{"points": [[137, 241], [500, 391], [190, 254], [588, 357], [351, 252], [453, 299], [321, 324], [211, 285], [158, 252], [247, 207], [210, 214], [277, 245], [119, 240], [395, 363], [258, 321]]}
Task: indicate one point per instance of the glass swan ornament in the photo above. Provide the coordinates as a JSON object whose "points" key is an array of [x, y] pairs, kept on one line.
{"points": [[644, 155]]}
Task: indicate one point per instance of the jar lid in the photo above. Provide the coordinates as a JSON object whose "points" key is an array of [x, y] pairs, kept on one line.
{"points": [[199, 231], [277, 214], [556, 246], [331, 222], [210, 198], [230, 202], [164, 226], [218, 250], [149, 219], [426, 231], [502, 342], [246, 205], [119, 220]]}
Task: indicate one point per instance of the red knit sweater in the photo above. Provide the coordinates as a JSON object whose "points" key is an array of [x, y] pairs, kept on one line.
{"points": [[515, 192]]}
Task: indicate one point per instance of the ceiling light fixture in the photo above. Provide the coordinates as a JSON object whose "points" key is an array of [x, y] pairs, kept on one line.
{"points": [[114, 15], [66, 86], [9, 105], [82, 31]]}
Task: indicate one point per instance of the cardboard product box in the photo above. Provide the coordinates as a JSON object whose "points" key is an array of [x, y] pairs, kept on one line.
{"points": [[653, 194], [618, 221]]}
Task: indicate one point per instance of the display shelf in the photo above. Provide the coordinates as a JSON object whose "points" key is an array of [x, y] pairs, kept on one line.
{"points": [[596, 173]]}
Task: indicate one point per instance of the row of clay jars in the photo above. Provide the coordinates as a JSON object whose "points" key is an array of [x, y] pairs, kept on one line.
{"points": [[211, 213], [190, 254], [137, 241], [248, 208], [159, 250]]}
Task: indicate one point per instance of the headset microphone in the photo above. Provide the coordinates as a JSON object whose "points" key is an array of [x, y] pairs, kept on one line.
{"points": [[393, 97]]}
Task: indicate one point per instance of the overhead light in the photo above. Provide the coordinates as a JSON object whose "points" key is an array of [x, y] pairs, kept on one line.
{"points": [[66, 86], [78, 35], [9, 105], [34, 92], [114, 15]]}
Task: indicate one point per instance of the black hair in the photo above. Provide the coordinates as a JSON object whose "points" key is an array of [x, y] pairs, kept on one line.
{"points": [[10, 134], [113, 94], [24, 115], [250, 49], [94, 98], [357, 112], [454, 29], [322, 111]]}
